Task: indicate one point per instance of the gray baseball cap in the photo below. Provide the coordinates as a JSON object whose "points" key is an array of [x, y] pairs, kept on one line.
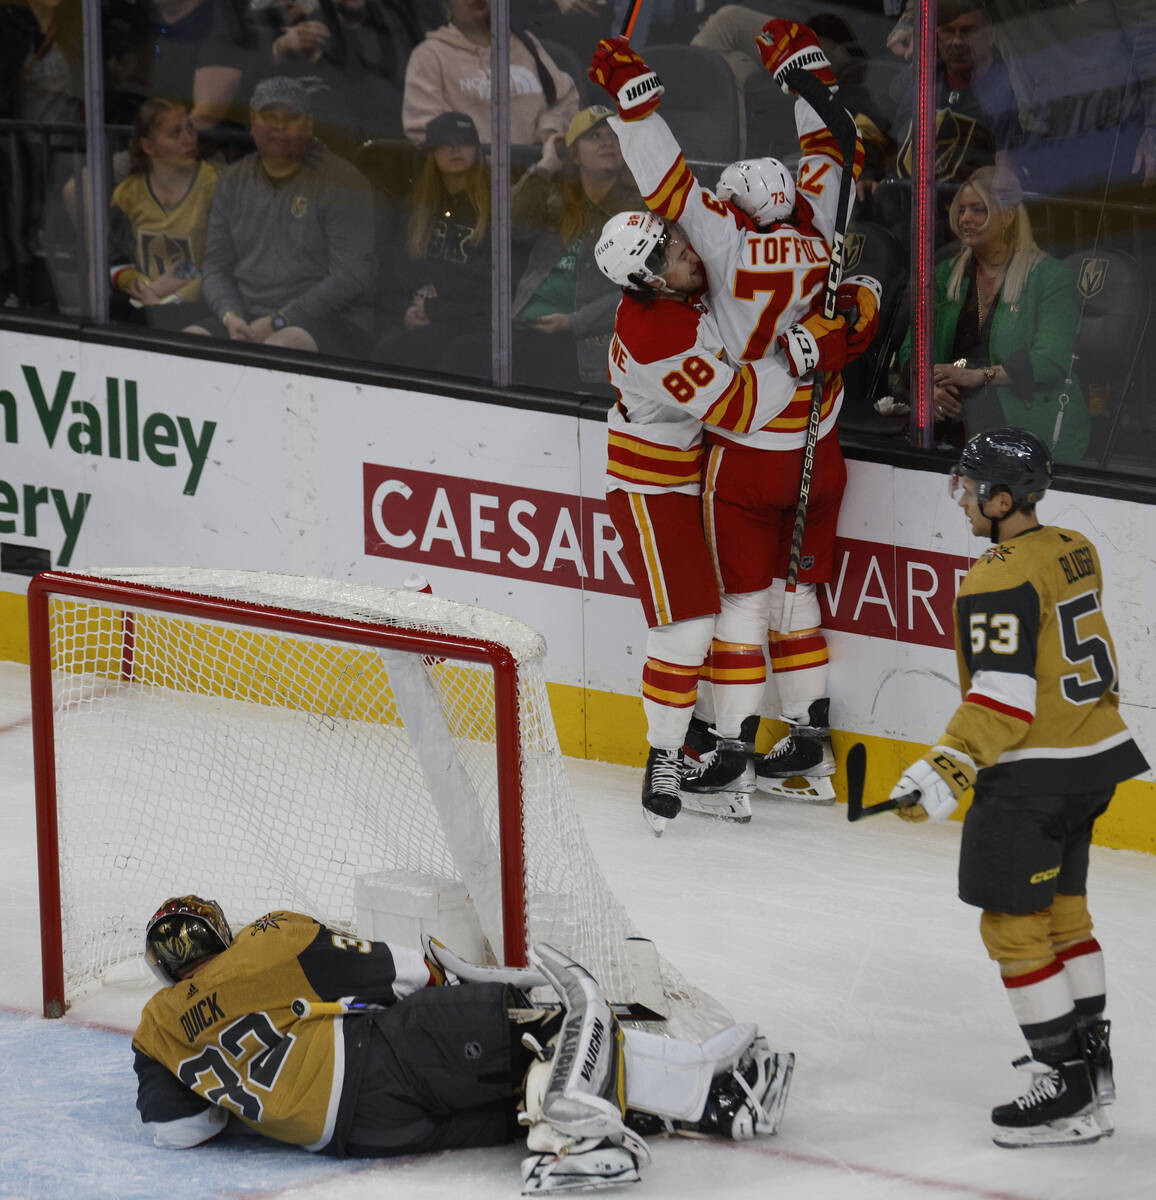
{"points": [[280, 89]]}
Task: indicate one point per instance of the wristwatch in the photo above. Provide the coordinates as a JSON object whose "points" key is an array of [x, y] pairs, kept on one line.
{"points": [[279, 321]]}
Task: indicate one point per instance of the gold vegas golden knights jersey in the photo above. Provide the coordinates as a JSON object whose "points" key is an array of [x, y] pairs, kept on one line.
{"points": [[156, 237], [1037, 669], [228, 1035]]}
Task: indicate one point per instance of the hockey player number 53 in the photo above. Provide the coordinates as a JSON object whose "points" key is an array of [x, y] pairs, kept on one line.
{"points": [[1079, 651]]}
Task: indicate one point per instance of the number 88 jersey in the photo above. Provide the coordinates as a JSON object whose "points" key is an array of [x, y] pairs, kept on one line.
{"points": [[1037, 668]]}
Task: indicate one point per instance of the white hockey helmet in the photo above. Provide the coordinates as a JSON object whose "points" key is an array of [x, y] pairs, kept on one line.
{"points": [[762, 187], [625, 250]]}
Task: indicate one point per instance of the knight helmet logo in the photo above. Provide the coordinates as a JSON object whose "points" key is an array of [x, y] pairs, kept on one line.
{"points": [[853, 251], [1093, 277]]}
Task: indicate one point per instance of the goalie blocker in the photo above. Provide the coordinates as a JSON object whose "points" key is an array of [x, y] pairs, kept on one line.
{"points": [[594, 1089]]}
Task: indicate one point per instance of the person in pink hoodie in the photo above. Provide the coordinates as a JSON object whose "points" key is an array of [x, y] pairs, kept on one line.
{"points": [[450, 72]]}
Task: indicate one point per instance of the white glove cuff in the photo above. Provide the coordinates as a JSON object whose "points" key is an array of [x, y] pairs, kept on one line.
{"points": [[802, 349], [639, 90]]}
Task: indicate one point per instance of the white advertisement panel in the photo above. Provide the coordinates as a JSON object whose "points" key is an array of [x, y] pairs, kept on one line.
{"points": [[117, 457]]}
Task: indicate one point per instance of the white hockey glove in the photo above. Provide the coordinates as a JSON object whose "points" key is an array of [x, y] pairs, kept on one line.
{"points": [[939, 779]]}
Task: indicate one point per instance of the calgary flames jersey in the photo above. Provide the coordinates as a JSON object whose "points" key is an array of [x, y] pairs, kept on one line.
{"points": [[760, 280], [228, 1035], [1037, 669], [666, 364]]}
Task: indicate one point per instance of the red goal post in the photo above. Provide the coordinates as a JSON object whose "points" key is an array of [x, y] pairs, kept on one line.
{"points": [[271, 740]]}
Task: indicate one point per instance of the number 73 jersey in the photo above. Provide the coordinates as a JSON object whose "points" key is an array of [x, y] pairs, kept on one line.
{"points": [[1037, 669]]}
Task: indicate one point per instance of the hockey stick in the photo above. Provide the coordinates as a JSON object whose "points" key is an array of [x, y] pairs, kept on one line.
{"points": [[308, 1009], [630, 17], [842, 126], [855, 772]]}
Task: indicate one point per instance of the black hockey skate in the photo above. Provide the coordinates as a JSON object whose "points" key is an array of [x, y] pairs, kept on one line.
{"points": [[1058, 1109], [749, 1099], [798, 766], [718, 778], [661, 801], [1094, 1042]]}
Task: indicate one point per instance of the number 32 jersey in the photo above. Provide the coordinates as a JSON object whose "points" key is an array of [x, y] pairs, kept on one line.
{"points": [[228, 1036], [1037, 669]]}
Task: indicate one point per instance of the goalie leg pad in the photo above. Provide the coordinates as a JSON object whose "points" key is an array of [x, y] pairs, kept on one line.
{"points": [[586, 1093], [581, 1166], [670, 1077], [749, 1099]]}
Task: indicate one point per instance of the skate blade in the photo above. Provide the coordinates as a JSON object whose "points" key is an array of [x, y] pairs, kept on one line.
{"points": [[802, 789], [1081, 1130], [657, 824], [722, 806]]}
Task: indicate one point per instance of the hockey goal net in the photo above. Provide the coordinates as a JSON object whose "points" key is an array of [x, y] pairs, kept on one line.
{"points": [[268, 740]]}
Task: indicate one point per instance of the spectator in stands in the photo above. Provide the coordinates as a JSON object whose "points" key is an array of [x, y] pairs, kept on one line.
{"points": [[352, 55], [204, 52], [160, 216], [1006, 317], [563, 305], [290, 244], [444, 273], [1085, 79], [41, 79], [450, 72], [977, 117]]}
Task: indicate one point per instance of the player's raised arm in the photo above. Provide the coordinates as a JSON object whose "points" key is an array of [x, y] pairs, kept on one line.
{"points": [[655, 158]]}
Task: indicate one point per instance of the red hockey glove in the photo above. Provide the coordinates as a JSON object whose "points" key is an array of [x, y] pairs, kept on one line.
{"points": [[786, 46], [815, 344], [857, 300], [635, 87]]}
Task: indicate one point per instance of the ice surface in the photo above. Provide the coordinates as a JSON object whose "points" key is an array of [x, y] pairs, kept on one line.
{"points": [[846, 943]]}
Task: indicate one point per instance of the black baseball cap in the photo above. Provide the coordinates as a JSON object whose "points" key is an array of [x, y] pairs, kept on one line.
{"points": [[451, 127]]}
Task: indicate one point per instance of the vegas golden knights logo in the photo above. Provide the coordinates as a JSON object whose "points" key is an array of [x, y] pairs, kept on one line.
{"points": [[853, 251], [299, 207], [1093, 277]]}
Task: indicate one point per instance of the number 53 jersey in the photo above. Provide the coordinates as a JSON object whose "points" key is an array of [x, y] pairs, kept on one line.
{"points": [[1037, 669]]}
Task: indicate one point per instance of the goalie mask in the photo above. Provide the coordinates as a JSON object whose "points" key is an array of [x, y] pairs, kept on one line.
{"points": [[1006, 458], [761, 187], [631, 250], [183, 931]]}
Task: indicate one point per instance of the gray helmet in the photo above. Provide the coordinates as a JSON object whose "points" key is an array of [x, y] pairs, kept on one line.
{"points": [[1010, 458]]}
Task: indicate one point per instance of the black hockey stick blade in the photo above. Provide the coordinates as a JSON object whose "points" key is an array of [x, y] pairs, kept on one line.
{"points": [[634, 1011], [855, 772]]}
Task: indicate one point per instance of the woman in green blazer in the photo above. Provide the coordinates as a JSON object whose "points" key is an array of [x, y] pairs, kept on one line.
{"points": [[1006, 317]]}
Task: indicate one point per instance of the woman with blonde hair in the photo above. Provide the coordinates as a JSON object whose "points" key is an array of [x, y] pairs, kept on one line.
{"points": [[444, 272], [1006, 317]]}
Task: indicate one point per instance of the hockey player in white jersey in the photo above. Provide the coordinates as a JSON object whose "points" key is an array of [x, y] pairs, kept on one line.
{"points": [[764, 239], [665, 364]]}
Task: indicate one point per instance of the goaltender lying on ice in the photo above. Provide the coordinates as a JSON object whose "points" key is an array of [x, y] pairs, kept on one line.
{"points": [[352, 1047]]}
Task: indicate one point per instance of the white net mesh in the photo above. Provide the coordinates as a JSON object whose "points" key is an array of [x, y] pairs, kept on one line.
{"points": [[266, 768]]}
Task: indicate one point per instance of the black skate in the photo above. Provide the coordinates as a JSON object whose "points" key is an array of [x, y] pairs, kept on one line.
{"points": [[719, 777], [1058, 1109], [798, 766], [660, 788], [1094, 1042], [749, 1099]]}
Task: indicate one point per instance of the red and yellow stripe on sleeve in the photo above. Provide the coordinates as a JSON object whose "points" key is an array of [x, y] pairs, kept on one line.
{"points": [[794, 418], [669, 198], [634, 460], [735, 408], [823, 142]]}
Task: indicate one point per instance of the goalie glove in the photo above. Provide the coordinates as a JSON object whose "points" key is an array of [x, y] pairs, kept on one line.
{"points": [[815, 344], [938, 779], [857, 300], [786, 46], [634, 86]]}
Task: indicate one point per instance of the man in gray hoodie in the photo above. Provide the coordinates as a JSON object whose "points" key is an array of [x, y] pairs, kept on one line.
{"points": [[289, 256]]}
